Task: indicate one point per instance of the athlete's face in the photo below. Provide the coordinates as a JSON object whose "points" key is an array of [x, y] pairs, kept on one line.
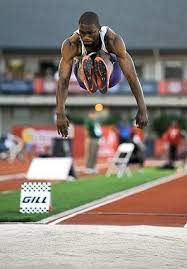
{"points": [[89, 33]]}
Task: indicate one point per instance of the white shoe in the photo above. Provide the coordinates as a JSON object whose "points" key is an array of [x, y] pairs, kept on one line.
{"points": [[90, 170], [70, 178]]}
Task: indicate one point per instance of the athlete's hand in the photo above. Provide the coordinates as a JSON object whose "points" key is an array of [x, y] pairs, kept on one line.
{"points": [[62, 124], [141, 119]]}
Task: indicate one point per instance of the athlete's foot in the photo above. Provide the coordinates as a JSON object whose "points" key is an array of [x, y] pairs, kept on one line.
{"points": [[88, 71], [101, 75]]}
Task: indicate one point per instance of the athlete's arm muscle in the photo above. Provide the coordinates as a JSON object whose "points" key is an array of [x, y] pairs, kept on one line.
{"points": [[128, 69], [65, 68]]}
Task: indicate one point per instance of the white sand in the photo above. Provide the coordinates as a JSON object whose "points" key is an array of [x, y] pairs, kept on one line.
{"points": [[69, 246]]}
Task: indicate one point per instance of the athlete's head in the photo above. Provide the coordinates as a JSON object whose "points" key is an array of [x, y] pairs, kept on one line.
{"points": [[89, 27]]}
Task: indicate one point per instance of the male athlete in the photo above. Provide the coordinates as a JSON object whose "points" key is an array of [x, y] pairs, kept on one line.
{"points": [[100, 56]]}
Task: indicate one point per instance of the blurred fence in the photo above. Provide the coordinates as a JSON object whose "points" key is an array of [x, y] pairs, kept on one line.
{"points": [[48, 86]]}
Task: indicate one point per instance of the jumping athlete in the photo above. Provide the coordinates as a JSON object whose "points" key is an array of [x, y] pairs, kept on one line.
{"points": [[98, 55]]}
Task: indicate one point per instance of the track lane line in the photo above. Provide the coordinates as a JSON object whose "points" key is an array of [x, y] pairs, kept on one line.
{"points": [[12, 177], [109, 199]]}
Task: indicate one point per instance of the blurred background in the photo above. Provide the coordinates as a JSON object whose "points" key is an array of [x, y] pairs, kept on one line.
{"points": [[31, 35]]}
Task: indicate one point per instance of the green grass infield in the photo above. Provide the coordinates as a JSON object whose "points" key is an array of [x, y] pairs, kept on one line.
{"points": [[68, 195]]}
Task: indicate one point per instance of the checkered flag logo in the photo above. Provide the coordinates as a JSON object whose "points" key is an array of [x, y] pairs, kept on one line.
{"points": [[35, 197]]}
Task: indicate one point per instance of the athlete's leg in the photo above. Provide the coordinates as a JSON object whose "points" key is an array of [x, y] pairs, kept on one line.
{"points": [[107, 59], [84, 73], [98, 71], [77, 71], [103, 68]]}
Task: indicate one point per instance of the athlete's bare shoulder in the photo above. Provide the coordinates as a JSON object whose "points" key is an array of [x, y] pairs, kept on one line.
{"points": [[111, 35], [113, 41], [71, 47]]}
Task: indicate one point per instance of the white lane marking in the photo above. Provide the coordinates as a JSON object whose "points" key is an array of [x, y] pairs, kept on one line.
{"points": [[110, 199], [6, 192], [12, 177]]}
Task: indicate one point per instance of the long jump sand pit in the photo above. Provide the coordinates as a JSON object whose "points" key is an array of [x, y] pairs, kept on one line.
{"points": [[91, 246]]}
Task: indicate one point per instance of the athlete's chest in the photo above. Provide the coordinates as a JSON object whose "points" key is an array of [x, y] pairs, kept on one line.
{"points": [[82, 48], [91, 48]]}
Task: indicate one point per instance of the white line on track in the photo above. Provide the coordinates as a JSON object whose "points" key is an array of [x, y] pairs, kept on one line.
{"points": [[6, 192], [12, 177], [109, 199]]}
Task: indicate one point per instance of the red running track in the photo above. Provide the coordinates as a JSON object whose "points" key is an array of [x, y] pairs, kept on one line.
{"points": [[163, 205]]}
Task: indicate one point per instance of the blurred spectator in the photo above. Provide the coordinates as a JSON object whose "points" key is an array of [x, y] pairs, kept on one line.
{"points": [[49, 84], [28, 75], [124, 131], [173, 136], [11, 147], [93, 134], [56, 76], [71, 135], [63, 148], [138, 155], [49, 74], [8, 75], [149, 141], [3, 148]]}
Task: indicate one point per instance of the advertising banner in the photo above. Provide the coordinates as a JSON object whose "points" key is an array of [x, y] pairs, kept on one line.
{"points": [[36, 138], [35, 197], [16, 86], [108, 142], [39, 139], [149, 87], [161, 148], [46, 86], [170, 87], [49, 86], [184, 87]]}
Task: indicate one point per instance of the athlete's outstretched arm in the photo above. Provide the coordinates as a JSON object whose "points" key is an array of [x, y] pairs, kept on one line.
{"points": [[128, 69], [65, 68]]}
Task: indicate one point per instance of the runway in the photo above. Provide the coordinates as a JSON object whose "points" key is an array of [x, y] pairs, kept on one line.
{"points": [[162, 205]]}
